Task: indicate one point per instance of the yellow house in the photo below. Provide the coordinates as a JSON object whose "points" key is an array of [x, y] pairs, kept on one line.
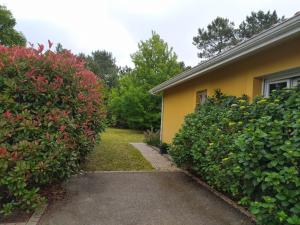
{"points": [[267, 61]]}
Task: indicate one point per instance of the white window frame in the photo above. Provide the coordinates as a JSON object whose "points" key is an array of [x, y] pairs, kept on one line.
{"points": [[289, 76], [269, 82], [201, 97], [295, 81]]}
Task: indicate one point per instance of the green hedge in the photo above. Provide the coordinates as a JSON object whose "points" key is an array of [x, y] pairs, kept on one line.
{"points": [[250, 151], [50, 115]]}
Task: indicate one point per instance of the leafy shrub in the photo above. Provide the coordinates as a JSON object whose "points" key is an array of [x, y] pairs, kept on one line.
{"points": [[207, 138], [50, 114], [250, 151], [268, 155], [152, 137], [164, 148]]}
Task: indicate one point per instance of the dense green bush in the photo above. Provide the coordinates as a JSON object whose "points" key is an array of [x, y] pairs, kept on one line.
{"points": [[50, 114], [250, 151], [164, 148]]}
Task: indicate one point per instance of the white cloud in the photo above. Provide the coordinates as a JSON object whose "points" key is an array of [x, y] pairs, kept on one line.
{"points": [[118, 25], [144, 7]]}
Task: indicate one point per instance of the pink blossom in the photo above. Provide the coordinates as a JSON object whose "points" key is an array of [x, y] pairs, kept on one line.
{"points": [[62, 128], [1, 65], [57, 83], [7, 114], [3, 151], [14, 155], [40, 48]]}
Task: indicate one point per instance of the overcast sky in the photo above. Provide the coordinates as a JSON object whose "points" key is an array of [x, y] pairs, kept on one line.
{"points": [[118, 25]]}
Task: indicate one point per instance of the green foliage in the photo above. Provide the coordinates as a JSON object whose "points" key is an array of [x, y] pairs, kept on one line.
{"points": [[124, 70], [103, 64], [8, 35], [219, 36], [131, 104], [164, 148], [257, 22], [269, 156], [154, 62], [59, 48], [250, 151], [152, 137], [50, 114]]}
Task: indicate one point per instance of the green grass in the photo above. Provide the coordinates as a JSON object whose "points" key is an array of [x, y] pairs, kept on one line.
{"points": [[114, 153]]}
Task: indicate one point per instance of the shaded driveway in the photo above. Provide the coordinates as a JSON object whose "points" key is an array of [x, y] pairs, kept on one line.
{"points": [[139, 198]]}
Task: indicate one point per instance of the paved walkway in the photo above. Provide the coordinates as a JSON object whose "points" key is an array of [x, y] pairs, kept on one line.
{"points": [[139, 198], [158, 161], [166, 196]]}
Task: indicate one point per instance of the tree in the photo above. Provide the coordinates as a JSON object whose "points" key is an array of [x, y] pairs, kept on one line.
{"points": [[154, 62], [184, 67], [59, 48], [131, 103], [8, 35], [126, 106], [103, 64], [257, 22], [123, 70], [219, 36]]}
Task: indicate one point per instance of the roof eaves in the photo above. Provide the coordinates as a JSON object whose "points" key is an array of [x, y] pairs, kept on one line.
{"points": [[270, 36]]}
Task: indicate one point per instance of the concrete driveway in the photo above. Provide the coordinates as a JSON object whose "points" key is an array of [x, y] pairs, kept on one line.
{"points": [[139, 198]]}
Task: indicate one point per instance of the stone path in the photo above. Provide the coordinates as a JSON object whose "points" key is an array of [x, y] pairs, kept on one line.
{"points": [[159, 162]]}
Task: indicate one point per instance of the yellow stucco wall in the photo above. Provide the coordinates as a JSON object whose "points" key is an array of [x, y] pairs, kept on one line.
{"points": [[241, 77]]}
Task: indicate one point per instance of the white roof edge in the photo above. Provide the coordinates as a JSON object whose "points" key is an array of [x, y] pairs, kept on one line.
{"points": [[275, 34]]}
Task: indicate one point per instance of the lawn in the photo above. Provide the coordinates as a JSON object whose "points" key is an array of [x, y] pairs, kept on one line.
{"points": [[114, 153]]}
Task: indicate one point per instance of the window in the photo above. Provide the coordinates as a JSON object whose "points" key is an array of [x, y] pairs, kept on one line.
{"points": [[201, 97], [278, 83], [271, 85], [296, 82]]}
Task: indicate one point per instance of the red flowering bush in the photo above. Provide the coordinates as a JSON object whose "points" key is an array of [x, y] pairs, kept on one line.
{"points": [[50, 114]]}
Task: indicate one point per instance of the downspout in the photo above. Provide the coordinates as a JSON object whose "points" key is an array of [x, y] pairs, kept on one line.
{"points": [[161, 117]]}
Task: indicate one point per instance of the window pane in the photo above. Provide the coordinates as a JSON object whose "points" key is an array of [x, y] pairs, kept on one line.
{"points": [[277, 86], [201, 97], [296, 82]]}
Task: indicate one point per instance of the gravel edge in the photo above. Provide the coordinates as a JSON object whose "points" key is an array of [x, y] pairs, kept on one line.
{"points": [[34, 219]]}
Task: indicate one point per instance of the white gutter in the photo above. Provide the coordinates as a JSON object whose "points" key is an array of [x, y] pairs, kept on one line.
{"points": [[273, 35]]}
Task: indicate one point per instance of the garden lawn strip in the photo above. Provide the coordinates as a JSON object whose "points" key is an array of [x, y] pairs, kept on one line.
{"points": [[115, 153]]}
